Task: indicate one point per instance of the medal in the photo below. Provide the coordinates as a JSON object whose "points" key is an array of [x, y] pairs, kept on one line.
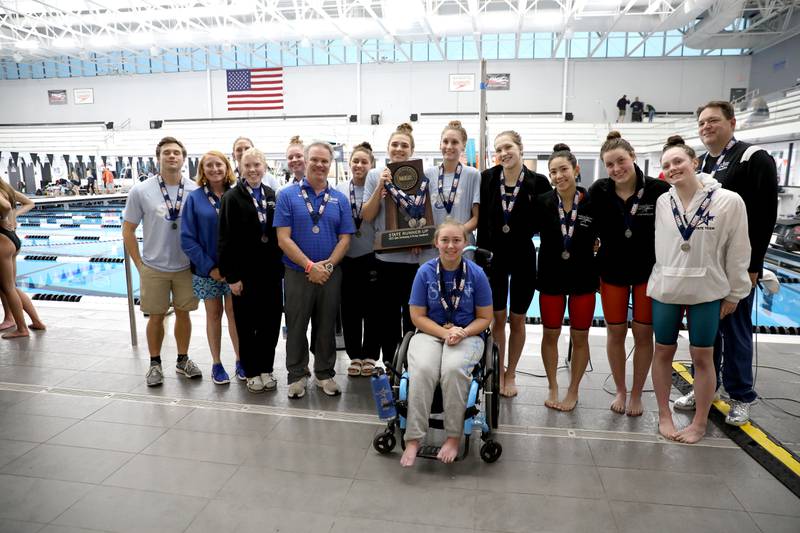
{"points": [[412, 223], [414, 207], [628, 215], [355, 207], [507, 203], [687, 230], [261, 205], [451, 299], [421, 222], [264, 238], [447, 204], [565, 255], [315, 215], [567, 223], [685, 246], [315, 229], [173, 210], [628, 233]]}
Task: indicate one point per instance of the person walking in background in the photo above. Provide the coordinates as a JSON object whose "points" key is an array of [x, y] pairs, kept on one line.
{"points": [[637, 108], [622, 106], [651, 112]]}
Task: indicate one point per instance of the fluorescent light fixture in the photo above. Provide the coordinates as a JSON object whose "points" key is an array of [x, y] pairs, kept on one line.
{"points": [[65, 42], [28, 44]]}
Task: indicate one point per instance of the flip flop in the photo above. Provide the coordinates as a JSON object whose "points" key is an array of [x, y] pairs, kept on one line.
{"points": [[355, 367], [367, 367]]}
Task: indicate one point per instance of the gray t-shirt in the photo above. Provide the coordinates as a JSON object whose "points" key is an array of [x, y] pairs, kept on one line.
{"points": [[161, 244], [379, 223], [467, 195], [364, 244]]}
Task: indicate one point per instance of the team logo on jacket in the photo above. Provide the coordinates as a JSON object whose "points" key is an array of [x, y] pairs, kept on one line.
{"points": [[706, 219]]}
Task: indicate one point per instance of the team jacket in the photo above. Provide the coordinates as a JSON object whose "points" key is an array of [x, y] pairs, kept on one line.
{"points": [[750, 171], [578, 273], [621, 260], [715, 267]]}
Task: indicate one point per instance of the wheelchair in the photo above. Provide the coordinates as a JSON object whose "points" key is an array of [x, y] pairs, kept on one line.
{"points": [[483, 392]]}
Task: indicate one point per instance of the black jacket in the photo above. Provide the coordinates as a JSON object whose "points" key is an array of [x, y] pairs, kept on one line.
{"points": [[622, 260], [578, 274], [242, 255], [517, 244], [756, 181]]}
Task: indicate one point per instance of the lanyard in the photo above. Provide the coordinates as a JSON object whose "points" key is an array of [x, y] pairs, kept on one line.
{"points": [[415, 206], [315, 215], [261, 207], [568, 224], [687, 230], [451, 198], [173, 210], [721, 157], [451, 299], [508, 203], [212, 198], [355, 207], [629, 214]]}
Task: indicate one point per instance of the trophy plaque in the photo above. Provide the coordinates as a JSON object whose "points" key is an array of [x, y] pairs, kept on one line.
{"points": [[409, 219]]}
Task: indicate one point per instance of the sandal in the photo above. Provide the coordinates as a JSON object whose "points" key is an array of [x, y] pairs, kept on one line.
{"points": [[355, 368], [368, 367]]}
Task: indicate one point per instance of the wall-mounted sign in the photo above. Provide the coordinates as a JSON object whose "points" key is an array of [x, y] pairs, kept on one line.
{"points": [[83, 96], [57, 97], [498, 82], [462, 83]]}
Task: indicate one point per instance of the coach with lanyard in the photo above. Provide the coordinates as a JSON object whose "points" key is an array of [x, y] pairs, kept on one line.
{"points": [[165, 277], [749, 171], [250, 262], [314, 225]]}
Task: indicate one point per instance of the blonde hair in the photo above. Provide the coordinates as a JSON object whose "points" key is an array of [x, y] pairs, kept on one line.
{"points": [[515, 137], [258, 154], [455, 125], [449, 222], [404, 129], [230, 177]]}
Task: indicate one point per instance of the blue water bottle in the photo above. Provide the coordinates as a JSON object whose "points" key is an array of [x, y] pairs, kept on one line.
{"points": [[382, 392]]}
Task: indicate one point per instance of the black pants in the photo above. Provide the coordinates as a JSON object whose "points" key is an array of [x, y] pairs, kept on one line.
{"points": [[257, 313], [395, 281], [360, 294]]}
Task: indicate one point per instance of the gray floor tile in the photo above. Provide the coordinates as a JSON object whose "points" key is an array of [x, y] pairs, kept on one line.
{"points": [[557, 450], [123, 365], [333, 433], [37, 500], [347, 524], [50, 360], [671, 488], [174, 476], [59, 405], [577, 481], [126, 510], [228, 422], [142, 414], [226, 517], [11, 397], [309, 458], [69, 529], [770, 523], [32, 428], [11, 449], [102, 381], [200, 446], [527, 513], [764, 496], [68, 463], [15, 526], [108, 436], [431, 506], [638, 517], [34, 375], [254, 485], [425, 473]]}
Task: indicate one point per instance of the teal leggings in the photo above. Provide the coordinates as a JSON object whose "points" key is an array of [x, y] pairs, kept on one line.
{"points": [[702, 319]]}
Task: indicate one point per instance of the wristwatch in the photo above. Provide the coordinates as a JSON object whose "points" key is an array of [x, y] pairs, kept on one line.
{"points": [[329, 267]]}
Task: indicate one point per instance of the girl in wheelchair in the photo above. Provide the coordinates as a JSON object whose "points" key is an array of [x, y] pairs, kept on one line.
{"points": [[450, 305]]}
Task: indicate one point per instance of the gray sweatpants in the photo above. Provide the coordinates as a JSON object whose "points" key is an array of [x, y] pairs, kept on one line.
{"points": [[304, 299], [431, 361]]}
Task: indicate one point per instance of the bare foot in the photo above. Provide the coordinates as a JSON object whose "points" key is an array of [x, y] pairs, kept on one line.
{"points": [[635, 406], [510, 388], [569, 402], [39, 326], [690, 434], [6, 324], [552, 399], [618, 405], [449, 450], [16, 334], [666, 426], [410, 453], [503, 383]]}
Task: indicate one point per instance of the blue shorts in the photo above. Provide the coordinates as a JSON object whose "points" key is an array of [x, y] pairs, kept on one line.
{"points": [[209, 289], [702, 320]]}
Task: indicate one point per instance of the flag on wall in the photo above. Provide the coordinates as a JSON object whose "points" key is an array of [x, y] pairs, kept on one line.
{"points": [[255, 89]]}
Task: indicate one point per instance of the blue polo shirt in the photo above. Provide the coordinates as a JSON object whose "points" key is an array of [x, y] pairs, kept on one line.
{"points": [[425, 293], [291, 212]]}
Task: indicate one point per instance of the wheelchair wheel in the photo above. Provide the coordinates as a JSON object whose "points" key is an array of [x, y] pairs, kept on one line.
{"points": [[384, 443], [400, 357], [491, 451], [492, 385]]}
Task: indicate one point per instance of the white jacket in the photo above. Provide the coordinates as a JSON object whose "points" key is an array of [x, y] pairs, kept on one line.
{"points": [[716, 265]]}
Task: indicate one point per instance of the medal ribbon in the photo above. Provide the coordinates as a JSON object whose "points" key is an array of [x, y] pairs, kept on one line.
{"points": [[451, 299], [451, 198], [415, 206], [261, 207], [721, 157], [315, 215], [568, 228], [212, 198], [687, 230], [356, 208], [508, 203], [629, 214], [173, 210]]}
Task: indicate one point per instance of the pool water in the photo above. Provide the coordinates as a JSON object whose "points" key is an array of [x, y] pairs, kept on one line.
{"points": [[67, 266]]}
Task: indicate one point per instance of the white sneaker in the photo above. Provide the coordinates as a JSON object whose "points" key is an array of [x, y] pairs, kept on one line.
{"points": [[255, 384], [270, 383], [329, 386], [298, 388], [689, 403], [739, 413]]}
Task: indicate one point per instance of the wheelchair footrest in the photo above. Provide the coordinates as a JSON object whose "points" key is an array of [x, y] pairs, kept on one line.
{"points": [[428, 452]]}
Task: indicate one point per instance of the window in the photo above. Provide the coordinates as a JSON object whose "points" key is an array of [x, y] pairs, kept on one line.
{"points": [[654, 46], [507, 46], [320, 53], [635, 45], [542, 45], [402, 52], [525, 46], [336, 50], [616, 44], [273, 54], [455, 48], [579, 45], [419, 51], [489, 46], [199, 61], [433, 51]]}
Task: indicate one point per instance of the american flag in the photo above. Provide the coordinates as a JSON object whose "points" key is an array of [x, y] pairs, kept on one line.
{"points": [[255, 89]]}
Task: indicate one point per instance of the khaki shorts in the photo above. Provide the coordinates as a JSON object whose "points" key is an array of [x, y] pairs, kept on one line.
{"points": [[157, 286]]}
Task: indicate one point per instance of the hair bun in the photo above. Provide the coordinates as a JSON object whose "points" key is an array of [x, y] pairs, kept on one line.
{"points": [[674, 140], [454, 124], [364, 145], [561, 147], [613, 134], [405, 127], [295, 140]]}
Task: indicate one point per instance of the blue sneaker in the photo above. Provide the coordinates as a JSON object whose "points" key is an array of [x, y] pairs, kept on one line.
{"points": [[240, 372], [218, 374]]}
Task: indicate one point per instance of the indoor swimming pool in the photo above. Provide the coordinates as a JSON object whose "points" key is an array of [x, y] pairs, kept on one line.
{"points": [[76, 249]]}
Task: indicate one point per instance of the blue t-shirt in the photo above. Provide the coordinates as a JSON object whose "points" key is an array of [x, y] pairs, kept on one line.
{"points": [[291, 211], [425, 293]]}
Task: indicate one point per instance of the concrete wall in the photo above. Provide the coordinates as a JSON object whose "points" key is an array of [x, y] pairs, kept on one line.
{"points": [[777, 67]]}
